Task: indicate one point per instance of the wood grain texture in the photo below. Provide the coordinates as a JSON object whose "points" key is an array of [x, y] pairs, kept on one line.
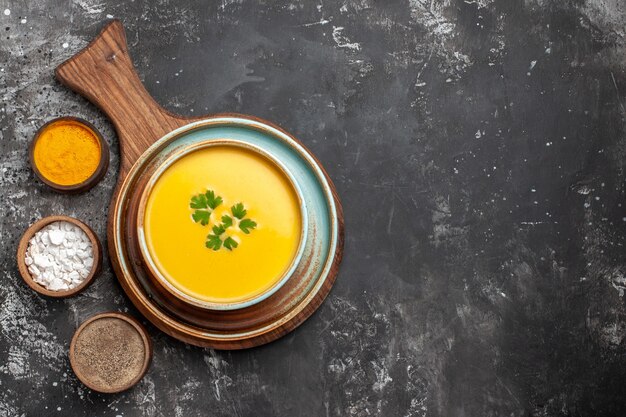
{"points": [[103, 72], [276, 316]]}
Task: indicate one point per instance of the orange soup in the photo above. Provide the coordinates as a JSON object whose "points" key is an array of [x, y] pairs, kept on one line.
{"points": [[222, 224]]}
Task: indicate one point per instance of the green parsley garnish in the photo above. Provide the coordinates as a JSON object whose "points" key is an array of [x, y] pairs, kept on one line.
{"points": [[218, 229], [213, 242], [227, 221], [201, 216], [213, 201], [230, 243], [246, 224], [238, 211], [199, 202], [204, 205]]}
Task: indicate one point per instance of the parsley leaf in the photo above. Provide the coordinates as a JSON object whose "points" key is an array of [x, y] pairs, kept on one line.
{"points": [[202, 211], [230, 243], [227, 221], [238, 211], [212, 200], [199, 202], [218, 229], [246, 224], [203, 206], [201, 216], [213, 242]]}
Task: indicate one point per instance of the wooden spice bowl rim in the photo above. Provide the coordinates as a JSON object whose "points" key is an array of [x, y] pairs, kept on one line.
{"points": [[23, 246], [90, 182], [143, 333]]}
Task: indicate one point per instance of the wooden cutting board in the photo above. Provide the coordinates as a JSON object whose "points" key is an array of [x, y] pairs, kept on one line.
{"points": [[103, 72]]}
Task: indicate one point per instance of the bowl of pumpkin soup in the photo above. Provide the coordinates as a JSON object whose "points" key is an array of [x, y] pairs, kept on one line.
{"points": [[221, 224]]}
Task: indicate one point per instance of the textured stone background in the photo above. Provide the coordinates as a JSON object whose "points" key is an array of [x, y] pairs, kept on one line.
{"points": [[478, 147]]}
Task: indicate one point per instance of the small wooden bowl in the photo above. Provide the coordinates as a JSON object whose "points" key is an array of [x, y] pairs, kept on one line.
{"points": [[81, 369], [97, 175], [23, 245]]}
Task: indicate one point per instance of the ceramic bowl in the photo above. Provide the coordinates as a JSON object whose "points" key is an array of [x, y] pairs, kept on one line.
{"points": [[151, 264], [266, 318]]}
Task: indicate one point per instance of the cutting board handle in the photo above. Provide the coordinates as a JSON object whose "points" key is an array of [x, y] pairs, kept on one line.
{"points": [[103, 73]]}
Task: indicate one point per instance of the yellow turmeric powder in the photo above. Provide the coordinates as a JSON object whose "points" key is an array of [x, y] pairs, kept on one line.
{"points": [[67, 152]]}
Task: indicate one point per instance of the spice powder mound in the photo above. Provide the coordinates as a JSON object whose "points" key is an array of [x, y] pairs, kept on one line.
{"points": [[67, 152], [108, 354]]}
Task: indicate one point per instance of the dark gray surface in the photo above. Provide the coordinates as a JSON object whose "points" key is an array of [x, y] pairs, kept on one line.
{"points": [[478, 147]]}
